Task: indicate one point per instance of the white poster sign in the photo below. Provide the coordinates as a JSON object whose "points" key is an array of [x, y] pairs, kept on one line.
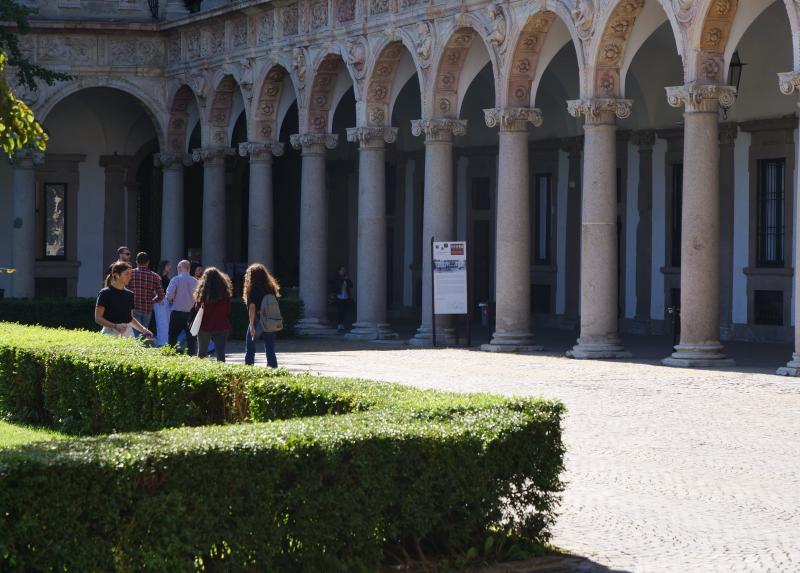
{"points": [[450, 277]]}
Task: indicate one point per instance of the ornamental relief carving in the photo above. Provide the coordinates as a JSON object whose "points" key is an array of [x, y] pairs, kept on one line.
{"points": [[345, 10], [377, 7], [497, 28], [136, 52], [423, 41], [193, 43], [266, 27], [356, 56], [174, 49], [701, 97], [684, 10], [319, 14], [290, 20], [583, 17], [789, 82], [68, 49], [612, 47], [601, 110], [299, 66], [239, 39], [717, 26]]}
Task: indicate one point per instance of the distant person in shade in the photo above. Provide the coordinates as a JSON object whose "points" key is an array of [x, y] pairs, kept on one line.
{"points": [[114, 308], [213, 294], [180, 294], [342, 288]]}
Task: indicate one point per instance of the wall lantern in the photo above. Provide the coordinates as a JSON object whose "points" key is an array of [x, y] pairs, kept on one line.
{"points": [[734, 77]]}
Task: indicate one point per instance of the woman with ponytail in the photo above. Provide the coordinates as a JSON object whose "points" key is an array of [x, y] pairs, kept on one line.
{"points": [[114, 308]]}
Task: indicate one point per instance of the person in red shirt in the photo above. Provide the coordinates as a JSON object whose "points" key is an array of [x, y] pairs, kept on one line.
{"points": [[213, 293], [147, 289]]}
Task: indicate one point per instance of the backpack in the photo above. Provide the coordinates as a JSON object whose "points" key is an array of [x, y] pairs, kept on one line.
{"points": [[269, 315]]}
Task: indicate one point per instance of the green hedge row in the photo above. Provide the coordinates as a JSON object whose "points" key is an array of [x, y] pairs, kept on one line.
{"points": [[78, 313], [398, 471]]}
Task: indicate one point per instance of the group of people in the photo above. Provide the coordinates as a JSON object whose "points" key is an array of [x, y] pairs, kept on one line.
{"points": [[131, 296]]}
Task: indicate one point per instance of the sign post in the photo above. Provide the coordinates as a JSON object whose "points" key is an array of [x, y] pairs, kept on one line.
{"points": [[449, 267]]}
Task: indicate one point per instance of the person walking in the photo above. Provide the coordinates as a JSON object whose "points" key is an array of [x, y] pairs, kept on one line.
{"points": [[343, 292], [123, 255], [147, 289], [115, 303], [258, 282], [162, 309], [180, 295], [213, 294]]}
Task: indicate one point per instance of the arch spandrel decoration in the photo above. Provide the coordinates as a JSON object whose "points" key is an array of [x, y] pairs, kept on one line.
{"points": [[321, 96], [611, 49], [381, 81], [710, 40], [525, 60], [178, 119], [446, 99], [219, 111]]}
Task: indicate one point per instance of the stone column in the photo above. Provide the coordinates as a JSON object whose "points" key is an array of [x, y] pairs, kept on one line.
{"points": [[114, 213], [790, 84], [438, 213], [172, 165], [513, 256], [727, 163], [314, 232], [700, 226], [644, 140], [371, 247], [599, 335], [23, 229], [260, 216], [213, 158]]}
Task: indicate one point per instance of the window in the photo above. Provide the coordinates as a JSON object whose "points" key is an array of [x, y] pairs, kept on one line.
{"points": [[55, 221], [676, 218], [541, 243], [768, 307], [770, 209]]}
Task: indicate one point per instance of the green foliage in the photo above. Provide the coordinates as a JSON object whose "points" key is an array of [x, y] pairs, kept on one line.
{"points": [[18, 127], [397, 471], [79, 313]]}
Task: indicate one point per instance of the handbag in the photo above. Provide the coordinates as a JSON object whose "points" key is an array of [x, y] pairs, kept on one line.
{"points": [[269, 315], [198, 320]]}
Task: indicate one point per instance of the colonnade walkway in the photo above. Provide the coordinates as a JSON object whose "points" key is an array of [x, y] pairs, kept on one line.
{"points": [[668, 469]]}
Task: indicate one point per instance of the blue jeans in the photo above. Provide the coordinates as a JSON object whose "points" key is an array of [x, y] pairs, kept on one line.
{"points": [[268, 338], [144, 318]]}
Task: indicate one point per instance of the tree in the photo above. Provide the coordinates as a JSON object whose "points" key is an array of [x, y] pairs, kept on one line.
{"points": [[18, 126]]}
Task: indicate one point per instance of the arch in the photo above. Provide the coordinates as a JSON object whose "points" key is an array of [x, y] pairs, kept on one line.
{"points": [[220, 111], [152, 107], [611, 48], [327, 88], [710, 40], [793, 9], [525, 61], [386, 78], [178, 127], [271, 104], [450, 82]]}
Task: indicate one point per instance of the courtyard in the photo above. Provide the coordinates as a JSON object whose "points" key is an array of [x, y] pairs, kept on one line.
{"points": [[668, 470]]}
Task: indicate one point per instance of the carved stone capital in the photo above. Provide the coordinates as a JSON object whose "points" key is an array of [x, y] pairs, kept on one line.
{"points": [[644, 139], [261, 150], [172, 160], [701, 97], [212, 155], [439, 129], [372, 136], [513, 118], [308, 140], [789, 82], [600, 110], [27, 158]]}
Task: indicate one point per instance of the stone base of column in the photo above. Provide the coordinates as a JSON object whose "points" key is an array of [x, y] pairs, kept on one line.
{"points": [[595, 348], [699, 356], [371, 331], [792, 368], [511, 342], [424, 337], [314, 327]]}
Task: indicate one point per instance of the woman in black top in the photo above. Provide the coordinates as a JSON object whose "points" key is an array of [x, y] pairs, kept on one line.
{"points": [[258, 283], [114, 307]]}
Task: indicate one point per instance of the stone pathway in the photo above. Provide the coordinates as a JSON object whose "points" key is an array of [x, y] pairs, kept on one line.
{"points": [[668, 470]]}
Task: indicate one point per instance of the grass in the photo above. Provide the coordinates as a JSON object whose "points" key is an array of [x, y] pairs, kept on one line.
{"points": [[18, 435]]}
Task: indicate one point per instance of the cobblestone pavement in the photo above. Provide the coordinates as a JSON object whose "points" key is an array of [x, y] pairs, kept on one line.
{"points": [[668, 470]]}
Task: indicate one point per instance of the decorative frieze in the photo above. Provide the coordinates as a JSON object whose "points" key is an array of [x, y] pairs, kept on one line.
{"points": [[513, 118], [239, 33], [600, 110], [306, 140], [345, 11], [136, 52], [372, 136], [74, 50], [261, 150], [193, 43], [266, 28], [319, 14], [439, 129], [290, 20], [701, 97]]}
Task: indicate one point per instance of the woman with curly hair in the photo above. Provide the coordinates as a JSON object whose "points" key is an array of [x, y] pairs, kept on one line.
{"points": [[213, 294], [258, 283]]}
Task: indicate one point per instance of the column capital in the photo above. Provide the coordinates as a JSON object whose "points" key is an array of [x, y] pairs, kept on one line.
{"points": [[701, 97], [644, 139], [439, 129], [261, 150], [304, 140], [212, 154], [513, 118], [599, 111], [172, 160], [372, 136], [27, 158], [789, 83]]}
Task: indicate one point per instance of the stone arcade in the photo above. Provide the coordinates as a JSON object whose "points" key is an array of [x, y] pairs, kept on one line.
{"points": [[606, 159]]}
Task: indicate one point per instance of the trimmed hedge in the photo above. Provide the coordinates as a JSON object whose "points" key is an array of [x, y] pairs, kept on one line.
{"points": [[78, 313], [396, 471]]}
